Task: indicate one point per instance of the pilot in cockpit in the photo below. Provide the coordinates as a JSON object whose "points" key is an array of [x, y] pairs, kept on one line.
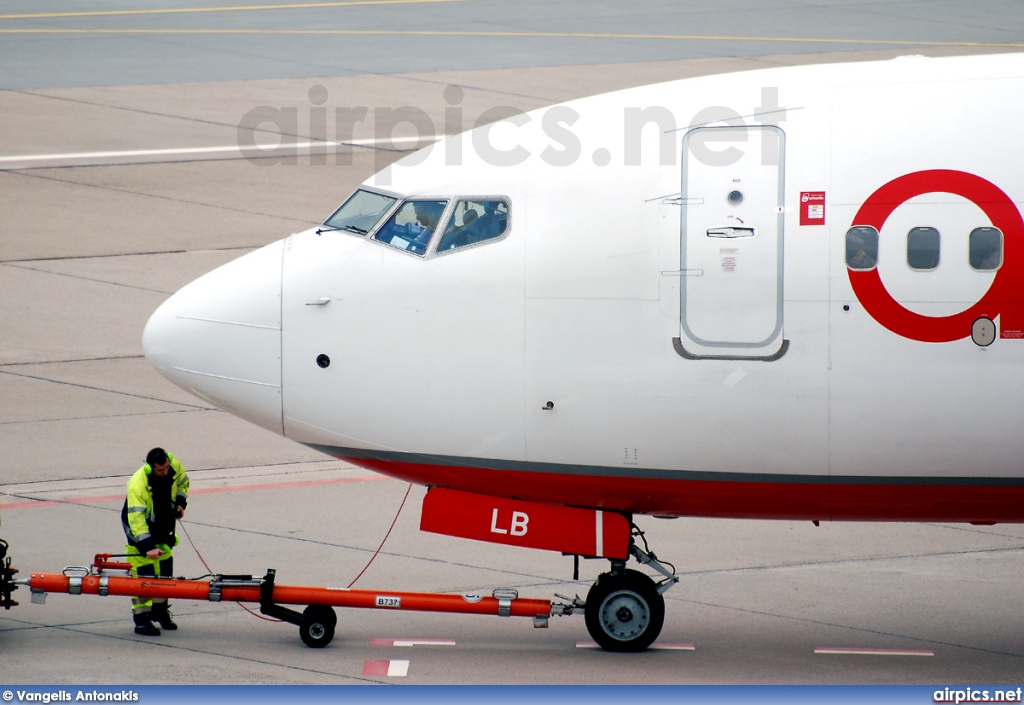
{"points": [[411, 227], [428, 213]]}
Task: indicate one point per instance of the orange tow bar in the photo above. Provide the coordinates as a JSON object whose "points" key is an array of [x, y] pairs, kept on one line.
{"points": [[316, 624]]}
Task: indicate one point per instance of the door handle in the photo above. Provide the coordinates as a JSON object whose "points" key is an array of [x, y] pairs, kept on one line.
{"points": [[731, 231]]}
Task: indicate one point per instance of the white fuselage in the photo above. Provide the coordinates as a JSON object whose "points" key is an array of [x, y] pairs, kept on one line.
{"points": [[703, 352]]}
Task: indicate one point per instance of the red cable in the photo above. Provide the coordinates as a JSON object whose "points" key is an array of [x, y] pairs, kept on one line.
{"points": [[210, 570], [393, 522], [372, 558]]}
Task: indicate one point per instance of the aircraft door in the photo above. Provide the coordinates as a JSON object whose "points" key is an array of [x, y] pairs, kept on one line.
{"points": [[732, 243]]}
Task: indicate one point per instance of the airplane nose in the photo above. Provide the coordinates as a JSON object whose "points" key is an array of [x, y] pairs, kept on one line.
{"points": [[220, 337]]}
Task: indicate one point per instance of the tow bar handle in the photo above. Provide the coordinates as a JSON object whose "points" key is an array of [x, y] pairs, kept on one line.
{"points": [[7, 581]]}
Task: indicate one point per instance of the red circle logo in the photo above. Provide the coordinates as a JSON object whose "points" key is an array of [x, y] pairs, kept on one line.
{"points": [[1003, 297]]}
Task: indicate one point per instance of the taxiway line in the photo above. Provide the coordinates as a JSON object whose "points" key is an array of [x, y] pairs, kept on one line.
{"points": [[188, 151], [537, 35], [229, 8]]}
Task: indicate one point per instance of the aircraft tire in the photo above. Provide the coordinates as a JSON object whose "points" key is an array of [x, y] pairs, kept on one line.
{"points": [[317, 628], [624, 612]]}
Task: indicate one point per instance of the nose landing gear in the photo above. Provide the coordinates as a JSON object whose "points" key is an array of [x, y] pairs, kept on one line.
{"points": [[625, 609]]}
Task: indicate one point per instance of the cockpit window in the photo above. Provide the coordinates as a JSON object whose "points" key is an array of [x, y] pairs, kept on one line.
{"points": [[361, 212], [412, 225], [474, 221]]}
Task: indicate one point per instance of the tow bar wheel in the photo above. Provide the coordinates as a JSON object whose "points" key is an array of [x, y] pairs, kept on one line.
{"points": [[624, 612], [317, 628]]}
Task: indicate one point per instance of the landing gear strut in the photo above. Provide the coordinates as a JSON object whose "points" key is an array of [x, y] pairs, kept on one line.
{"points": [[625, 609]]}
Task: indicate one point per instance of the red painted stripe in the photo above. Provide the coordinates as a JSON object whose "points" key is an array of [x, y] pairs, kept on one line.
{"points": [[288, 485], [206, 490], [376, 667], [727, 499], [383, 641]]}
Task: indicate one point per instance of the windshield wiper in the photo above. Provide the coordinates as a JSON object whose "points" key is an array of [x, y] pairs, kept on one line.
{"points": [[331, 228]]}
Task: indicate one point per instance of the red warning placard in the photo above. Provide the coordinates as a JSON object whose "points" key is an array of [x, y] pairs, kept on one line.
{"points": [[812, 208]]}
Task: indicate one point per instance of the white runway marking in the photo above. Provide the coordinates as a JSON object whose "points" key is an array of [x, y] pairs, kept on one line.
{"points": [[872, 652], [394, 668], [380, 641], [652, 647]]}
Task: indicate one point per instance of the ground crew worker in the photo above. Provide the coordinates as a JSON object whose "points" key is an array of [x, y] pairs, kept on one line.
{"points": [[156, 499]]}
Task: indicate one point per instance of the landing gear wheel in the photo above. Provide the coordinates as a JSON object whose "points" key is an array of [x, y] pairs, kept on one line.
{"points": [[317, 628], [624, 612]]}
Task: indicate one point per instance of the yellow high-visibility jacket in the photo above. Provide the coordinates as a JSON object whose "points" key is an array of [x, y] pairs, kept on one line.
{"points": [[138, 515]]}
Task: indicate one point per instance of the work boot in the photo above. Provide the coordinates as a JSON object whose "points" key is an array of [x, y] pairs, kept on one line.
{"points": [[163, 616], [144, 624]]}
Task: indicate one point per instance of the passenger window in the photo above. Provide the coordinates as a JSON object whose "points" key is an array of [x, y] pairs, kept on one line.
{"points": [[475, 221], [923, 248], [986, 249], [412, 225], [861, 247], [360, 212]]}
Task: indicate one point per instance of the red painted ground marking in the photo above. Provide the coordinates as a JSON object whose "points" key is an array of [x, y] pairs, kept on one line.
{"points": [[391, 668], [381, 641], [208, 490]]}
